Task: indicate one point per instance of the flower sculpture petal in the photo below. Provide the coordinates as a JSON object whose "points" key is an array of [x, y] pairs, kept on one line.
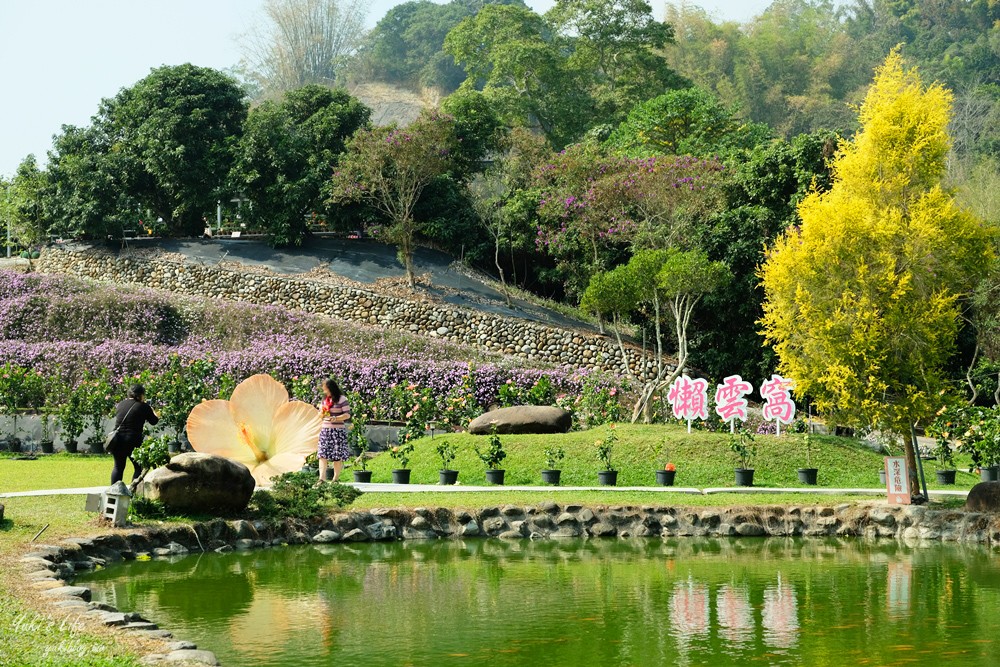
{"points": [[258, 426]]}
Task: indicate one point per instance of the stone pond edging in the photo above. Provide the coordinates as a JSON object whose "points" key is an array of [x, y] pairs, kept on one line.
{"points": [[495, 333], [51, 568]]}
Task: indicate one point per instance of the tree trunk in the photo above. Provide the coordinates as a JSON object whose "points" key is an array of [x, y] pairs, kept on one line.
{"points": [[996, 394], [407, 252], [503, 280], [911, 464], [968, 376]]}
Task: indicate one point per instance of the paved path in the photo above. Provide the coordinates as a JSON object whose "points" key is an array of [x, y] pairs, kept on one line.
{"points": [[458, 488]]}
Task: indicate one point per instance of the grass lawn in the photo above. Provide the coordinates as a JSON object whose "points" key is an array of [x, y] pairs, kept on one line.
{"points": [[703, 459], [56, 471], [29, 634]]}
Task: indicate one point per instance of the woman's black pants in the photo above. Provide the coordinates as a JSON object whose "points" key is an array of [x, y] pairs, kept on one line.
{"points": [[122, 456]]}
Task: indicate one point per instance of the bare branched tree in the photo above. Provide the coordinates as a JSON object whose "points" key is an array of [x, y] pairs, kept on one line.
{"points": [[302, 42]]}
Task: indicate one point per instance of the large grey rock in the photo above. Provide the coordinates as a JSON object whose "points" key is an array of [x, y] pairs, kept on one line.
{"points": [[984, 497], [192, 656], [523, 419], [195, 482]]}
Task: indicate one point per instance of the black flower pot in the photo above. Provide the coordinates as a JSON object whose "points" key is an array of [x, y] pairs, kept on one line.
{"points": [[495, 477], [447, 477], [363, 476], [665, 477], [71, 446], [945, 476], [96, 446], [991, 474], [551, 477], [744, 477], [607, 478], [881, 476], [401, 476], [808, 475], [48, 447]]}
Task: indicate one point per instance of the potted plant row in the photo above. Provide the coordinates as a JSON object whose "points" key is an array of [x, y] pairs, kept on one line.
{"points": [[665, 475], [605, 447], [492, 456], [744, 445], [447, 452], [401, 454], [552, 473], [808, 475], [357, 440]]}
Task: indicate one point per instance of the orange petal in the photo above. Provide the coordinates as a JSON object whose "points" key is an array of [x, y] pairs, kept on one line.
{"points": [[263, 473], [296, 428], [254, 403], [211, 430]]}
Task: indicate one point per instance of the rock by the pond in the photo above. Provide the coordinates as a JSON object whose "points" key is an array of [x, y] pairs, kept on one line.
{"points": [[196, 482], [326, 536], [984, 497], [192, 656], [523, 419]]}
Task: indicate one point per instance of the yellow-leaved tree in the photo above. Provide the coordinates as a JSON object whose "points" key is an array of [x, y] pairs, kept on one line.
{"points": [[862, 300]]}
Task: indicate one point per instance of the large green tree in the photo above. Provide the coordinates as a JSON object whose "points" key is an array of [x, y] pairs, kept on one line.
{"points": [[406, 45], [510, 51], [86, 192], [173, 135], [585, 63], [287, 153], [617, 43], [21, 210], [689, 121], [863, 299]]}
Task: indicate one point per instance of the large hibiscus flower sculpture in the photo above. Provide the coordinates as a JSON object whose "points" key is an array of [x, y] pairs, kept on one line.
{"points": [[258, 426]]}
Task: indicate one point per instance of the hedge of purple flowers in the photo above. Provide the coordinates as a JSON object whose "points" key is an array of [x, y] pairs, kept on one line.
{"points": [[72, 332]]}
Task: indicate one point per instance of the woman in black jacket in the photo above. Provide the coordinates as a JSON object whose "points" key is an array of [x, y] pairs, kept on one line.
{"points": [[131, 415]]}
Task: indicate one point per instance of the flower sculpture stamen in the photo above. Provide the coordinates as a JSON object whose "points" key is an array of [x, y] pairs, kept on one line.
{"points": [[258, 426]]}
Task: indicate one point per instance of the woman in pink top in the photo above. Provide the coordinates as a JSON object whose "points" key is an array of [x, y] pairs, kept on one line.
{"points": [[336, 413]]}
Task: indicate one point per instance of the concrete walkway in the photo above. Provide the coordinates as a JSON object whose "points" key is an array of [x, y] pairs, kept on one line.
{"points": [[458, 488]]}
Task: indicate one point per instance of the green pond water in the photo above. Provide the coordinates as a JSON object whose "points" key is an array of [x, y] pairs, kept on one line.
{"points": [[597, 602]]}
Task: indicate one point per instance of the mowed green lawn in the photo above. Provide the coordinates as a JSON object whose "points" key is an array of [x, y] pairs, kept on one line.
{"points": [[56, 471], [703, 459]]}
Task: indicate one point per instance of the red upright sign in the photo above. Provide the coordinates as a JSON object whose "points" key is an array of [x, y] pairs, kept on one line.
{"points": [[897, 480]]}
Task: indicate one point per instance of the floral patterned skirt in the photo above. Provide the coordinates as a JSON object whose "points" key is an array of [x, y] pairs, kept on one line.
{"points": [[333, 444]]}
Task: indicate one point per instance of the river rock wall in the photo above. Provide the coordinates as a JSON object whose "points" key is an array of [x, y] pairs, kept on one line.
{"points": [[509, 336]]}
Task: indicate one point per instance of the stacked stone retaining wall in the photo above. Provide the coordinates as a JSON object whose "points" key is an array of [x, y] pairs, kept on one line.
{"points": [[491, 332]]}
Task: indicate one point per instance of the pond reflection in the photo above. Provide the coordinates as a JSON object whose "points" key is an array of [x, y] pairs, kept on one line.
{"points": [[594, 602]]}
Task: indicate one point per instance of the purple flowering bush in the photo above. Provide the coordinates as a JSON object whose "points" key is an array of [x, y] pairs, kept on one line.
{"points": [[184, 349]]}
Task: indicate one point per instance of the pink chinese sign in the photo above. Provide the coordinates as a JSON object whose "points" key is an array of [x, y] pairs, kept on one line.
{"points": [[730, 403], [778, 404], [897, 480], [689, 399]]}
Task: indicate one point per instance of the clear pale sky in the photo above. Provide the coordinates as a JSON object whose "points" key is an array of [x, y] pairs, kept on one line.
{"points": [[59, 58]]}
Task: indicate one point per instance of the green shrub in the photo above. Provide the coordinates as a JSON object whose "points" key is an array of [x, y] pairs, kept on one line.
{"points": [[153, 452], [144, 508], [296, 495]]}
